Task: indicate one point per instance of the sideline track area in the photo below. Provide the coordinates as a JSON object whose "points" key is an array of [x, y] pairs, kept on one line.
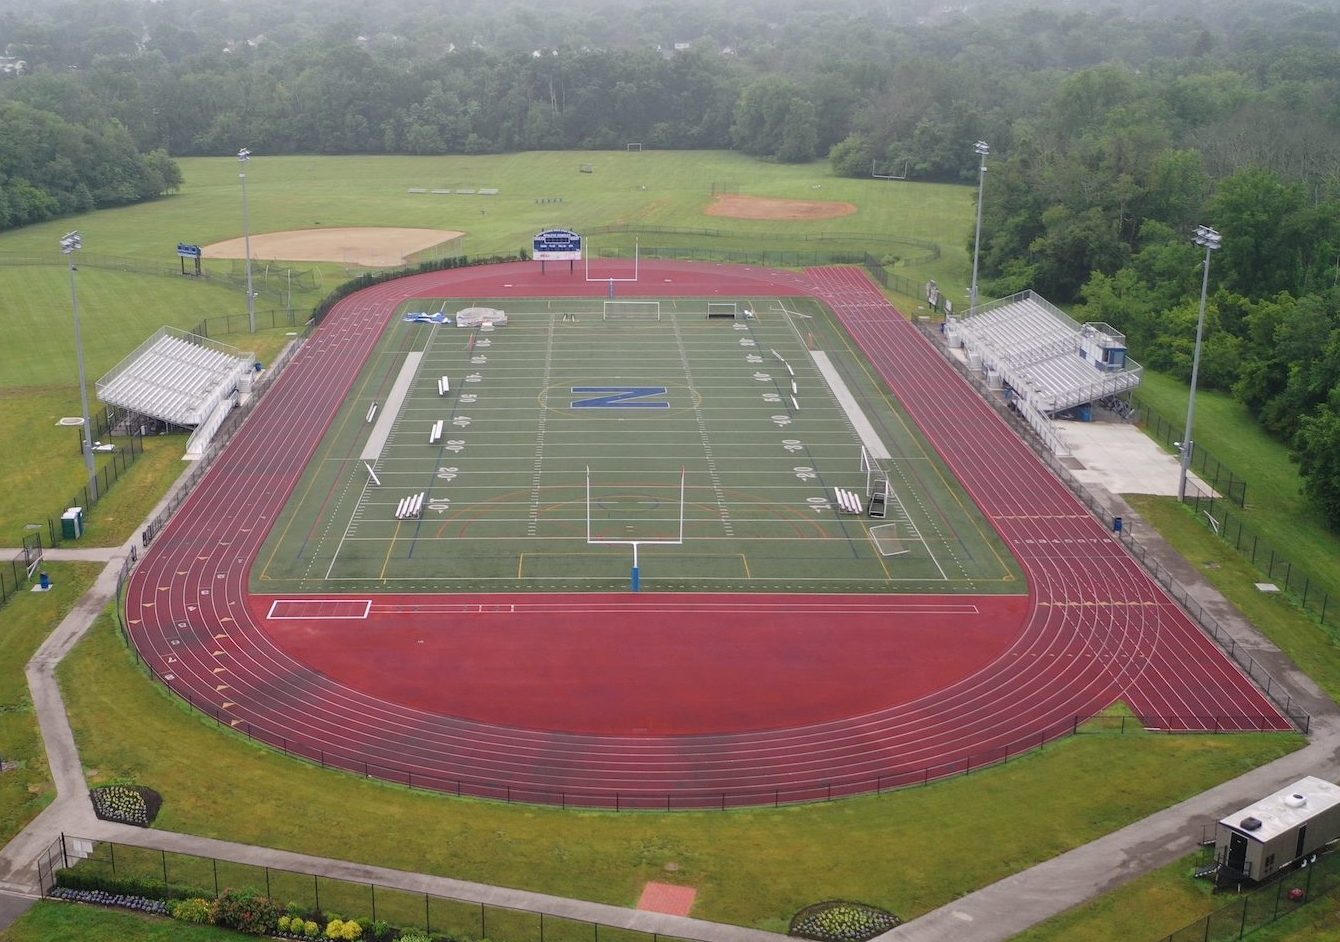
{"points": [[1094, 629]]}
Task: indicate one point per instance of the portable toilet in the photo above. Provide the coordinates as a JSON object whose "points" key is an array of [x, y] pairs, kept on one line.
{"points": [[1261, 839]]}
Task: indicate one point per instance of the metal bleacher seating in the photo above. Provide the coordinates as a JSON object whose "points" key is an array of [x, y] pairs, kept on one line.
{"points": [[175, 377], [1037, 350]]}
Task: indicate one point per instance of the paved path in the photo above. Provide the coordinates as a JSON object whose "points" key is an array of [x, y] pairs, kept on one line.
{"points": [[992, 914]]}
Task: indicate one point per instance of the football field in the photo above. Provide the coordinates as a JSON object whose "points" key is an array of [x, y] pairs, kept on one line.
{"points": [[743, 451]]}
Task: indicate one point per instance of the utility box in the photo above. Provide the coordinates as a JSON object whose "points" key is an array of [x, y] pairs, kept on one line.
{"points": [[1265, 837], [72, 523]]}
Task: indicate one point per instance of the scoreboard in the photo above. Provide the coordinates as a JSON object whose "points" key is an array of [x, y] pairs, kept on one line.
{"points": [[557, 245]]}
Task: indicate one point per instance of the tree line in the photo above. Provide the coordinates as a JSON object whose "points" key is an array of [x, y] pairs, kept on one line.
{"points": [[1114, 131]]}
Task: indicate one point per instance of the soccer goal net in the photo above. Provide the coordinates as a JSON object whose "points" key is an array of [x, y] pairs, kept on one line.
{"points": [[722, 309], [632, 311]]}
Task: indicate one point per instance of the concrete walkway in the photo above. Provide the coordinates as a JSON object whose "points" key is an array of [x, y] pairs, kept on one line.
{"points": [[992, 914]]}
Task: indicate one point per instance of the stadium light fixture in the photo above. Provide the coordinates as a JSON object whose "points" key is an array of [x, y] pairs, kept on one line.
{"points": [[1210, 240], [981, 149], [69, 244], [243, 156]]}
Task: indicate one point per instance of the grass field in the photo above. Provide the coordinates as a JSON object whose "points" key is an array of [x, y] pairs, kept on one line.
{"points": [[743, 413]]}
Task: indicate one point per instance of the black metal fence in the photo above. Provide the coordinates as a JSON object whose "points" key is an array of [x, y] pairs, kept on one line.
{"points": [[1169, 433], [128, 445], [1275, 689], [19, 570], [1305, 588], [899, 283], [367, 903], [266, 279], [1260, 907], [218, 325]]}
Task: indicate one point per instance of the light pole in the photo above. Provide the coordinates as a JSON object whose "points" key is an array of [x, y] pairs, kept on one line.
{"points": [[1211, 240], [242, 157], [981, 149], [68, 244]]}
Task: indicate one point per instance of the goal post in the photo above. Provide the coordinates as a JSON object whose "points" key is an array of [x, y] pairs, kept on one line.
{"points": [[635, 575], [634, 147], [727, 309], [632, 312]]}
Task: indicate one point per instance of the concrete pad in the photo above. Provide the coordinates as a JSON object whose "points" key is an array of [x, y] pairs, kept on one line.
{"points": [[1121, 459]]}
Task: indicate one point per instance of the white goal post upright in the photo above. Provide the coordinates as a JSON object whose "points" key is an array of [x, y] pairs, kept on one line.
{"points": [[607, 278], [635, 578]]}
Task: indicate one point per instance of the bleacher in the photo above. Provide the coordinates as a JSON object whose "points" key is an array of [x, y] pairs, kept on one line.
{"points": [[177, 378], [1047, 359]]}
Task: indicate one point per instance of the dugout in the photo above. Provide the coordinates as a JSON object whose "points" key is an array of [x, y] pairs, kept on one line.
{"points": [[1265, 837]]}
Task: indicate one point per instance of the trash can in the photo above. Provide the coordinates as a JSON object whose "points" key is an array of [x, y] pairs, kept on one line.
{"points": [[1116, 524]]}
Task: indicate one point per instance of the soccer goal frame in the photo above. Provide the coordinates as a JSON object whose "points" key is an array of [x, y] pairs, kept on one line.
{"points": [[634, 147], [887, 172], [726, 309], [635, 579], [632, 312]]}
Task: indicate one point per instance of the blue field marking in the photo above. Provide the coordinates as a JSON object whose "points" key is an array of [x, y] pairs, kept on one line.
{"points": [[619, 397]]}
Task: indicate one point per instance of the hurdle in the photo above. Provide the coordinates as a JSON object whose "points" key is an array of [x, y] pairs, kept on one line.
{"points": [[443, 386], [400, 508], [436, 432], [847, 500], [372, 411]]}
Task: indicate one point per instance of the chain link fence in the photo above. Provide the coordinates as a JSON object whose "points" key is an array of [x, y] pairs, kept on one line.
{"points": [[1169, 432]]}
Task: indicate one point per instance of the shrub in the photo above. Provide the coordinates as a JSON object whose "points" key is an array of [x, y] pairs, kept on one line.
{"points": [[351, 931], [335, 928], [414, 935], [283, 922], [82, 879], [246, 911], [195, 910], [311, 929]]}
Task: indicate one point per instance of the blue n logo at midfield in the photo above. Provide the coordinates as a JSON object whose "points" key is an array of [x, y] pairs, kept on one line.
{"points": [[619, 397]]}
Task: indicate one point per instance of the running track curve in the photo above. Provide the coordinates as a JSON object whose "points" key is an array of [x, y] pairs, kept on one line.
{"points": [[1094, 628]]}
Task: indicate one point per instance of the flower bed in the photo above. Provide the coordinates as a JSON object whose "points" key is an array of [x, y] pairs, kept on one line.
{"points": [[842, 921], [141, 904], [126, 804]]}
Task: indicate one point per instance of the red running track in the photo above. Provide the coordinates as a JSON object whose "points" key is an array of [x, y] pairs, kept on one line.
{"points": [[672, 700]]}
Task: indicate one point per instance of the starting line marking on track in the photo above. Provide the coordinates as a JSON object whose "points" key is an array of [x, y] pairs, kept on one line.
{"points": [[290, 609]]}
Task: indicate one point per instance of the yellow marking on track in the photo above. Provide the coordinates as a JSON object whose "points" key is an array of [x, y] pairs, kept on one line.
{"points": [[164, 588], [219, 653], [226, 618], [233, 723], [183, 572], [220, 670], [222, 687], [148, 604], [221, 634], [134, 621], [228, 704], [206, 556]]}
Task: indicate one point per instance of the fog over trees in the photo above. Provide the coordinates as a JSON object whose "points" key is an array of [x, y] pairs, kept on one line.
{"points": [[1115, 128]]}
